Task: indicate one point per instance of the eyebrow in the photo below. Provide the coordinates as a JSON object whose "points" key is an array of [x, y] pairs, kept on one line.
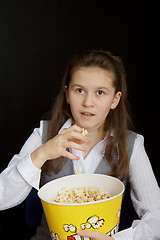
{"points": [[100, 87], [77, 85]]}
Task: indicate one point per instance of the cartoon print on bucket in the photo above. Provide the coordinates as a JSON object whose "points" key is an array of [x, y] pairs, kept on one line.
{"points": [[113, 230], [93, 222], [54, 236], [69, 227], [77, 237]]}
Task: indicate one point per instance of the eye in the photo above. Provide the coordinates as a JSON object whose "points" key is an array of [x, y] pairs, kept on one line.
{"points": [[80, 90], [100, 93]]}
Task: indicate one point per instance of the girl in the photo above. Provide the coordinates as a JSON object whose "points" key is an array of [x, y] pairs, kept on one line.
{"points": [[93, 96]]}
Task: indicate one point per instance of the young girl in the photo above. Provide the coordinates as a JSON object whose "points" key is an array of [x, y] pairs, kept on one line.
{"points": [[93, 96]]}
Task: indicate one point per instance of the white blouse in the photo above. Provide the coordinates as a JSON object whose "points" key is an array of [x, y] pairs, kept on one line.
{"points": [[21, 175]]}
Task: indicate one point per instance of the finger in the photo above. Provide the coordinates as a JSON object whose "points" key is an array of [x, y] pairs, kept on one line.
{"points": [[74, 136], [77, 138], [72, 128], [92, 234], [70, 156], [74, 145]]}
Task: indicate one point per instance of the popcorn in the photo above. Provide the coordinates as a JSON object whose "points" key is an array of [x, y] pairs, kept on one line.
{"points": [[78, 170], [84, 131], [81, 195]]}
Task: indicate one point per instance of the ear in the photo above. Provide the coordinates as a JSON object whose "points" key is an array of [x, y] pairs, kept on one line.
{"points": [[66, 92], [116, 100]]}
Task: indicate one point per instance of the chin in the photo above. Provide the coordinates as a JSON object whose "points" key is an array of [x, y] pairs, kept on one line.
{"points": [[85, 123], [82, 124]]}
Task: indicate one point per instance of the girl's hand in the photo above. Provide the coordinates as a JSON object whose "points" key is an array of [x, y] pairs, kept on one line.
{"points": [[94, 235], [57, 146]]}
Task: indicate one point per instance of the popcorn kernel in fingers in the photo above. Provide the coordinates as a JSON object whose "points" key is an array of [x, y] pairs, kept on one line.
{"points": [[84, 132]]}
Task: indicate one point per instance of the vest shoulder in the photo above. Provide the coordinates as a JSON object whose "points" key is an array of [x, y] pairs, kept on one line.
{"points": [[131, 137], [45, 126]]}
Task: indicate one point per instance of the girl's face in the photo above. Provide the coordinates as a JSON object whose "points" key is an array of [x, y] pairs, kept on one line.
{"points": [[91, 95]]}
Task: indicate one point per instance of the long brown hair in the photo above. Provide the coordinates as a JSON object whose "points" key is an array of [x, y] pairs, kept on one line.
{"points": [[118, 120]]}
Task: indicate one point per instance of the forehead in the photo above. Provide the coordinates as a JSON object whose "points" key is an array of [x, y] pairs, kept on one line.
{"points": [[92, 75]]}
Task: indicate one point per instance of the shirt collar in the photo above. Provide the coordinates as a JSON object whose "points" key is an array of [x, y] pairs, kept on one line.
{"points": [[66, 125]]}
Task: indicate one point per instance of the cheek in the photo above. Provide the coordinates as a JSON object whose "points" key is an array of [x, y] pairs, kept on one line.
{"points": [[105, 108], [74, 100], [74, 103], [106, 111]]}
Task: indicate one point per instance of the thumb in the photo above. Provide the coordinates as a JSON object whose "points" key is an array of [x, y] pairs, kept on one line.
{"points": [[92, 234]]}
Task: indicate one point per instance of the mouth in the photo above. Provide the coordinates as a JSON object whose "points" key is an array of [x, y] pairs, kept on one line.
{"points": [[88, 114]]}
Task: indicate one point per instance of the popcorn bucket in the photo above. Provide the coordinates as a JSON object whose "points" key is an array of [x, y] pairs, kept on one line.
{"points": [[64, 219]]}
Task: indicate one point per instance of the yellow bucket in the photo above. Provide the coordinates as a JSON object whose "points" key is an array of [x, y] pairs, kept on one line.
{"points": [[64, 219]]}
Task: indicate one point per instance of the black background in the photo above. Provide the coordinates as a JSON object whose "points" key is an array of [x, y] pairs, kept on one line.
{"points": [[38, 37]]}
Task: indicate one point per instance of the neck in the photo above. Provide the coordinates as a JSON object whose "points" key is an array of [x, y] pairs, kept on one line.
{"points": [[95, 135], [93, 138]]}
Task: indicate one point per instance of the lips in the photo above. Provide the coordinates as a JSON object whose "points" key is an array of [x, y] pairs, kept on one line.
{"points": [[87, 114]]}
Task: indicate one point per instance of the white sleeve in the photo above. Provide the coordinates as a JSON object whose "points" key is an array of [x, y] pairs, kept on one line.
{"points": [[145, 195], [17, 180]]}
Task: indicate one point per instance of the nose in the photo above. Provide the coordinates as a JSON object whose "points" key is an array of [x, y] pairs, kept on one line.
{"points": [[88, 100]]}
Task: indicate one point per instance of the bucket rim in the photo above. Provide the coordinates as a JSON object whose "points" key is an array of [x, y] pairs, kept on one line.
{"points": [[82, 204]]}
